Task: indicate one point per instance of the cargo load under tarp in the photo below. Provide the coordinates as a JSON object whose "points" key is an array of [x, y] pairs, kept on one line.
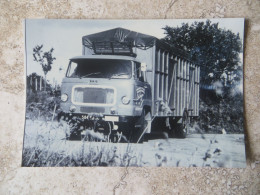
{"points": [[117, 41], [120, 41]]}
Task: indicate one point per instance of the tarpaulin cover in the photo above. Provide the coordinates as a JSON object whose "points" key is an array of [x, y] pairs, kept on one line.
{"points": [[120, 35]]}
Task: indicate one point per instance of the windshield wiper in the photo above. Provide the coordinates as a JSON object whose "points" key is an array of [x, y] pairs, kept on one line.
{"points": [[119, 74], [93, 73]]}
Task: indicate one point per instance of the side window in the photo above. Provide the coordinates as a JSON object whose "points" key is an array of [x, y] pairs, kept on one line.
{"points": [[138, 73], [137, 70], [72, 70]]}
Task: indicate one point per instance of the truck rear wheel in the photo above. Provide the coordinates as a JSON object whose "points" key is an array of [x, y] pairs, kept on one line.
{"points": [[182, 128], [179, 129]]}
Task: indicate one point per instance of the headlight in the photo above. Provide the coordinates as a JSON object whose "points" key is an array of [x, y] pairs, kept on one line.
{"points": [[125, 100], [64, 97], [72, 108]]}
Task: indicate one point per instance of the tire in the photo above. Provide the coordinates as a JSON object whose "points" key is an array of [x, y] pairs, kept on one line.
{"points": [[182, 128], [179, 130], [137, 135], [74, 136], [74, 126]]}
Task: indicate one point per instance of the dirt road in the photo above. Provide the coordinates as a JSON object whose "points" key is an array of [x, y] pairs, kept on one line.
{"points": [[196, 150], [215, 150]]}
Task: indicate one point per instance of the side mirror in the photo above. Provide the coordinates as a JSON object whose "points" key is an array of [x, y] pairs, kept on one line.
{"points": [[143, 67]]}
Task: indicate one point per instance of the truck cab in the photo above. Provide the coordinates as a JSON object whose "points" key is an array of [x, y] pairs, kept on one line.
{"points": [[105, 88]]}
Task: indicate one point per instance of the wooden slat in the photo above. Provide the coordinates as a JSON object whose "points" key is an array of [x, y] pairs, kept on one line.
{"points": [[173, 88], [167, 77], [162, 76], [153, 79], [191, 87], [171, 85], [181, 86], [180, 77], [175, 85], [195, 91], [158, 76], [186, 85], [198, 91], [177, 88], [197, 103], [197, 85]]}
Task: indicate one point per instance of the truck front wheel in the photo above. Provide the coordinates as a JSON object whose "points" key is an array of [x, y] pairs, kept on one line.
{"points": [[140, 127]]}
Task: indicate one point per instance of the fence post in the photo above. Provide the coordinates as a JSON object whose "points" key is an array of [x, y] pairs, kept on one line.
{"points": [[40, 83], [36, 83], [54, 110]]}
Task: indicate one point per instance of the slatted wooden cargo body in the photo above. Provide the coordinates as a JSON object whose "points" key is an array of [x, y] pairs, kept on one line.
{"points": [[174, 80], [173, 77], [175, 83]]}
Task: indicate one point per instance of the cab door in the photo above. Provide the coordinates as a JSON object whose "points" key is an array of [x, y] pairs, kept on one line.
{"points": [[143, 88]]}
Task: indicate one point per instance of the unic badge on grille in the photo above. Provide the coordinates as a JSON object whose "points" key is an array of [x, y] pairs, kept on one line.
{"points": [[93, 95]]}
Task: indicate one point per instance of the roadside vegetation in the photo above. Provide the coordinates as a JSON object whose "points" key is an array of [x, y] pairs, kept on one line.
{"points": [[218, 52]]}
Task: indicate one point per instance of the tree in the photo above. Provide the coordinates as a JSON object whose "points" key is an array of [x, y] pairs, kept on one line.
{"points": [[216, 50], [45, 59]]}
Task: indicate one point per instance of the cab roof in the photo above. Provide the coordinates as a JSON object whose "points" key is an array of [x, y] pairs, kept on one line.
{"points": [[108, 57], [120, 35]]}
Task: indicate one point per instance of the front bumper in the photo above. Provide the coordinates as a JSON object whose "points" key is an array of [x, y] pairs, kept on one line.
{"points": [[96, 116], [115, 110]]}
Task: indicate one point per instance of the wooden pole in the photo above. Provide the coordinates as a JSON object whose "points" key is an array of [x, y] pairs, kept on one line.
{"points": [[36, 83], [30, 86], [40, 83], [45, 82], [53, 113]]}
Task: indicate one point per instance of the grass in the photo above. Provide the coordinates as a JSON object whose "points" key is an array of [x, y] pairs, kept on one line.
{"points": [[45, 145], [85, 156]]}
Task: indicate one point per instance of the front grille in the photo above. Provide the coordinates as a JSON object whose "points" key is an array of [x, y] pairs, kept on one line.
{"points": [[92, 109], [93, 95]]}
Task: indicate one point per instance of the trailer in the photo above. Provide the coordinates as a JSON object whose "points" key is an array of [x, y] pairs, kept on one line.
{"points": [[163, 86]]}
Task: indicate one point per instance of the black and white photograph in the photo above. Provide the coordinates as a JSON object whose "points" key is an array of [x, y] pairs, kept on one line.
{"points": [[134, 93]]}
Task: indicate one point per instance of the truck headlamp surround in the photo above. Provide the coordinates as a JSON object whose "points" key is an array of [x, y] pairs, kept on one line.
{"points": [[64, 97], [72, 108], [125, 100]]}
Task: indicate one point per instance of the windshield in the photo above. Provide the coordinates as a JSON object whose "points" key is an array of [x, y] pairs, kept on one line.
{"points": [[100, 68]]}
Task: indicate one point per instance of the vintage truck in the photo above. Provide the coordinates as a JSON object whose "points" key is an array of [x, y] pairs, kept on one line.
{"points": [[127, 84]]}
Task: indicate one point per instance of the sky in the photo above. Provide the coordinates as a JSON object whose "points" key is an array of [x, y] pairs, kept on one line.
{"points": [[65, 36]]}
